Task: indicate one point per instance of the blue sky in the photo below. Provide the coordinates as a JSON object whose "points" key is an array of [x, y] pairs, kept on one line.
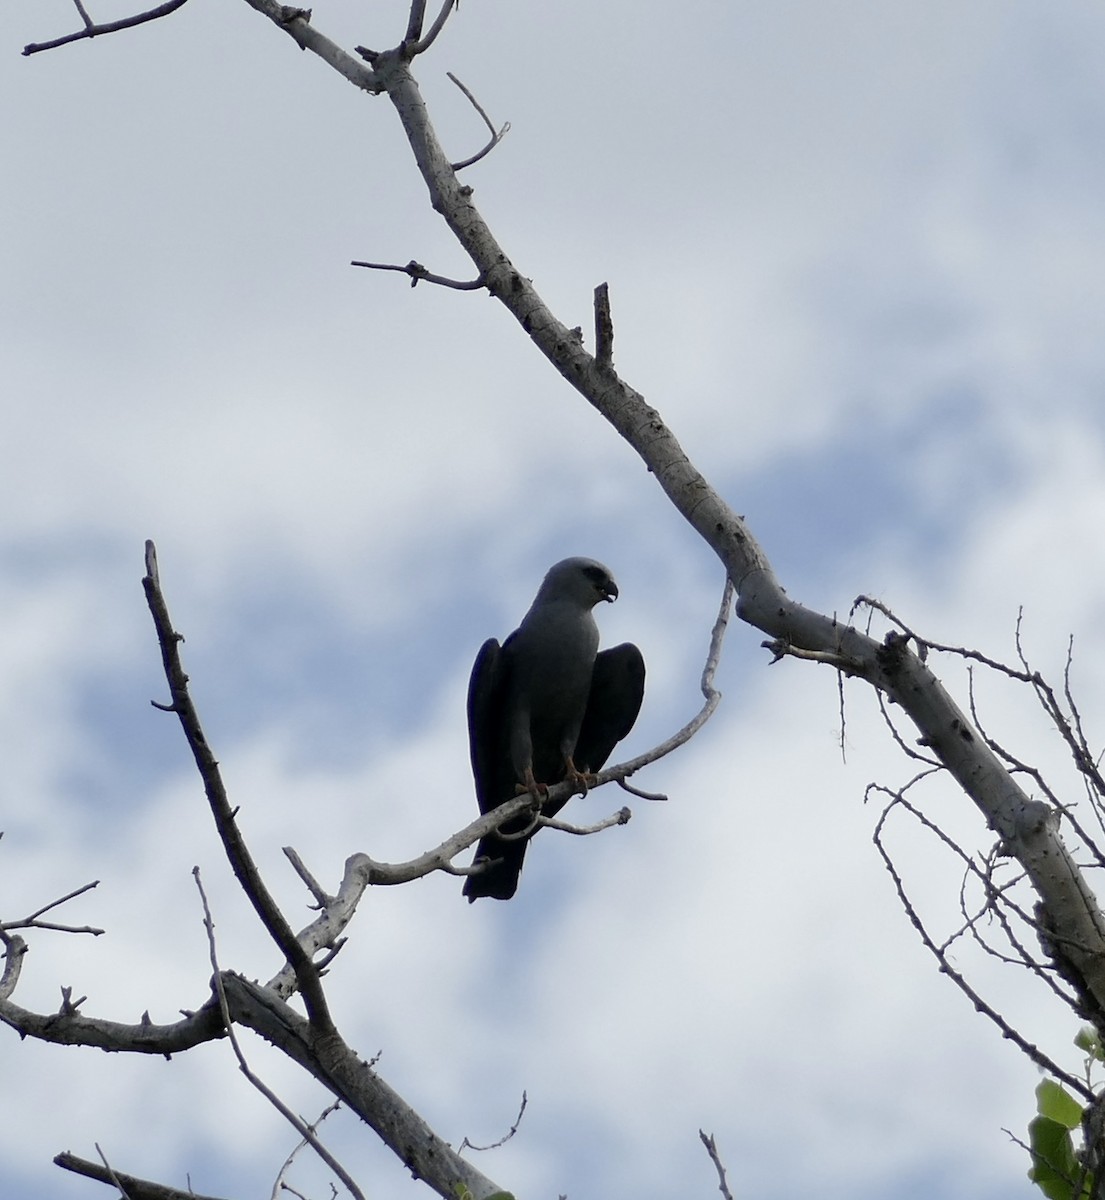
{"points": [[855, 253]]}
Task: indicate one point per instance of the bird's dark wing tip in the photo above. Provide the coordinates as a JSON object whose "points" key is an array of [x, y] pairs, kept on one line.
{"points": [[617, 690]]}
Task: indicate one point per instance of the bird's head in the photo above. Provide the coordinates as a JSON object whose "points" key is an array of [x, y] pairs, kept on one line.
{"points": [[580, 579]]}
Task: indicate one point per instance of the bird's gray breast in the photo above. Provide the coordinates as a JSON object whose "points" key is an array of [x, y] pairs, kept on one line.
{"points": [[553, 657]]}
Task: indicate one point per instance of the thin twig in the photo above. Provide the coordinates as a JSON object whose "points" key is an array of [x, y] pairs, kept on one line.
{"points": [[278, 1184], [418, 274], [639, 792], [843, 718], [86, 887], [91, 30], [467, 1145], [33, 921], [496, 135], [311, 883], [111, 1173], [925, 644], [621, 817], [903, 745], [296, 1122], [781, 649], [1028, 1048], [712, 699]]}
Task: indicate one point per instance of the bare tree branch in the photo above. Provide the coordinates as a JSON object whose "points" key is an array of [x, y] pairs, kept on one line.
{"points": [[439, 24], [329, 1059], [278, 1183], [496, 135], [91, 30], [296, 23], [34, 921], [135, 1188], [712, 696], [241, 861], [712, 1150], [621, 817], [418, 274], [467, 1145], [71, 1028], [414, 21], [111, 1174], [298, 1124], [1028, 1048]]}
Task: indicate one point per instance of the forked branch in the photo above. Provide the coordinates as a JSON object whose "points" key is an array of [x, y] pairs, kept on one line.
{"points": [[91, 29]]}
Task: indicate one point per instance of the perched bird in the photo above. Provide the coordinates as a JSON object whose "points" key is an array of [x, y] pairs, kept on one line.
{"points": [[546, 706]]}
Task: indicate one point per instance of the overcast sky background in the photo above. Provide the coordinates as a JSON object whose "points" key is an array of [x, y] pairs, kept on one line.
{"points": [[856, 254]]}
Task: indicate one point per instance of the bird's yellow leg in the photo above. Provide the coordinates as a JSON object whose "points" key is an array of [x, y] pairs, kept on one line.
{"points": [[582, 780], [529, 784]]}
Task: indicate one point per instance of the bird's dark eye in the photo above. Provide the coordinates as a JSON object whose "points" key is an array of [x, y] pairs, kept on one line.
{"points": [[595, 574]]}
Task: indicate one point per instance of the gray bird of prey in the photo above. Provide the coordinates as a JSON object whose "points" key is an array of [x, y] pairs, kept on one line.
{"points": [[546, 706]]}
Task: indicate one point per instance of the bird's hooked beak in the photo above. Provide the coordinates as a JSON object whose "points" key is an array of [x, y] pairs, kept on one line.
{"points": [[610, 591]]}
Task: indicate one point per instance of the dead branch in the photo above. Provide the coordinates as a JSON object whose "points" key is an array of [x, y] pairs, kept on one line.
{"points": [[946, 967], [92, 30], [328, 1058], [439, 24], [296, 23], [34, 920], [298, 1124], [133, 1187], [414, 21], [467, 1145], [72, 1028], [621, 817], [111, 1173], [604, 328], [497, 135], [241, 861], [278, 1183], [639, 792], [14, 949], [780, 648], [622, 771], [712, 1150], [419, 274]]}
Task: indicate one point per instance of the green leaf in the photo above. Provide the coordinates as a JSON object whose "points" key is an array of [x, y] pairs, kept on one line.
{"points": [[1054, 1166], [1059, 1105], [1088, 1040]]}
